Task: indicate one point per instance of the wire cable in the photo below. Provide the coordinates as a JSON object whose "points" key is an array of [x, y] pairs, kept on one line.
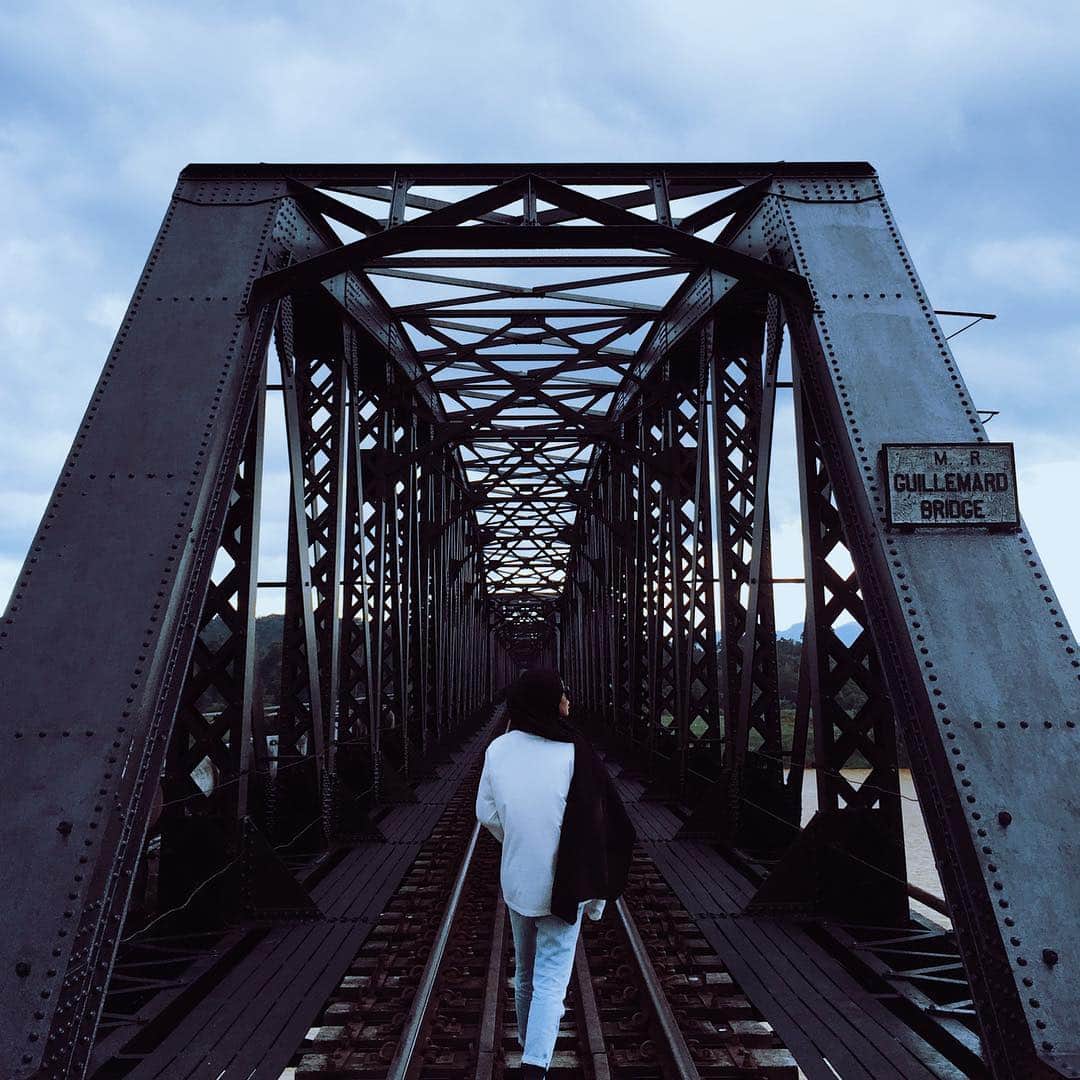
{"points": [[255, 769], [835, 773], [828, 843], [180, 907], [76, 969]]}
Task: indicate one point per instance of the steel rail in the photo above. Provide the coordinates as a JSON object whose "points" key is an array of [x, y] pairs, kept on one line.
{"points": [[419, 1016], [405, 1061], [679, 1053], [590, 1027], [490, 1024]]}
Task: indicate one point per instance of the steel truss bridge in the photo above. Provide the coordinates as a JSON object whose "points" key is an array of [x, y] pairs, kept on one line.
{"points": [[529, 414]]}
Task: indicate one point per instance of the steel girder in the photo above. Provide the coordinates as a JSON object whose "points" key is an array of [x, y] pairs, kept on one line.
{"points": [[979, 694], [213, 721], [747, 807], [205, 826], [163, 476], [641, 582], [490, 470], [100, 631], [303, 738]]}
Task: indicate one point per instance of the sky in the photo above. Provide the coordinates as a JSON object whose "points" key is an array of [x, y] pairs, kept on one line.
{"points": [[969, 111]]}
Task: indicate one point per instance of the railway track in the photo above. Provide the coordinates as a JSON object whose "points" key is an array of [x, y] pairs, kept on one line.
{"points": [[430, 996]]}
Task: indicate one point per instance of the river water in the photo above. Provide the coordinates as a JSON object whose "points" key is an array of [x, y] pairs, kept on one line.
{"points": [[921, 869]]}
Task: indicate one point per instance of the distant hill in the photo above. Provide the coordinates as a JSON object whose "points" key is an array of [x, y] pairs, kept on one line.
{"points": [[846, 632], [268, 632]]}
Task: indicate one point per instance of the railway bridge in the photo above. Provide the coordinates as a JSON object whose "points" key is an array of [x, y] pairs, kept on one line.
{"points": [[528, 416]]}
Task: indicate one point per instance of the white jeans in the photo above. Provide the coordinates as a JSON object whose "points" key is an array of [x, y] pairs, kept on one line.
{"points": [[543, 959]]}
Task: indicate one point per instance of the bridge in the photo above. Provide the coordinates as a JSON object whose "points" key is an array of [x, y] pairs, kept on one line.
{"points": [[529, 416]]}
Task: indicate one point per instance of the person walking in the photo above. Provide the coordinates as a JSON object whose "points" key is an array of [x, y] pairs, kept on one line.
{"points": [[566, 838]]}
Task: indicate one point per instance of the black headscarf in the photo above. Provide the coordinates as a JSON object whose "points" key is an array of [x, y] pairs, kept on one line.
{"points": [[533, 704], [597, 837]]}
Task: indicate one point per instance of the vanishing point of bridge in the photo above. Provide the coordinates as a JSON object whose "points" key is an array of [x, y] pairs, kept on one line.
{"points": [[529, 415]]}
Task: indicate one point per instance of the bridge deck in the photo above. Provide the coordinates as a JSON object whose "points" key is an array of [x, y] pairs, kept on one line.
{"points": [[832, 1025], [253, 1035]]}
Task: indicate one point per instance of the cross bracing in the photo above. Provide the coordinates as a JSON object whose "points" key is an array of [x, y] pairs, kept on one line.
{"points": [[529, 347], [529, 412]]}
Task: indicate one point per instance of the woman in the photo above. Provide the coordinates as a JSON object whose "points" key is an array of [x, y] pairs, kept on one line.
{"points": [[566, 844]]}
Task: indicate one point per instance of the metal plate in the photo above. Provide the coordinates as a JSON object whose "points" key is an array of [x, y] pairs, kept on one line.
{"points": [[972, 485], [982, 665]]}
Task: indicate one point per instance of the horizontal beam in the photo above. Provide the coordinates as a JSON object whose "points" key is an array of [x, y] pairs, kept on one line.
{"points": [[411, 237], [494, 173], [612, 359], [966, 314], [540, 261], [635, 313]]}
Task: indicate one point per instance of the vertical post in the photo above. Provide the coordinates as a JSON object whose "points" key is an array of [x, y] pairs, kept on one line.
{"points": [[699, 597], [705, 762], [202, 822], [301, 696], [854, 843], [253, 458], [747, 807], [680, 636], [654, 563], [359, 609], [340, 482], [758, 704], [848, 689]]}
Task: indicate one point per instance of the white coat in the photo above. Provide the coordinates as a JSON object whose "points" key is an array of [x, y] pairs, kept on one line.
{"points": [[521, 800]]}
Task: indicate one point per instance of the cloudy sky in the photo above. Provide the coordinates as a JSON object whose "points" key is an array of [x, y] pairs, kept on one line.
{"points": [[968, 110]]}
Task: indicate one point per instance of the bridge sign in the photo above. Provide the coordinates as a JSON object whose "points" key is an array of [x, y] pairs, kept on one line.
{"points": [[967, 484]]}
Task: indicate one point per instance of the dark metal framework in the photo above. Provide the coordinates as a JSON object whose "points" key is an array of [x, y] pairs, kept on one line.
{"points": [[529, 412]]}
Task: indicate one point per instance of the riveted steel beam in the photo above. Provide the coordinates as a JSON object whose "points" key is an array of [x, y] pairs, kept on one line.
{"points": [[344, 175], [137, 516], [974, 649]]}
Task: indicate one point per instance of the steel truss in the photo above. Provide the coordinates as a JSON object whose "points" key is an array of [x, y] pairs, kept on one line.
{"points": [[529, 415]]}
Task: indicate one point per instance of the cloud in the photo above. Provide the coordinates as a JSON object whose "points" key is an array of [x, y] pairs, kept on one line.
{"points": [[9, 571], [971, 132], [1039, 264], [107, 310], [22, 509], [1053, 516], [1030, 373]]}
